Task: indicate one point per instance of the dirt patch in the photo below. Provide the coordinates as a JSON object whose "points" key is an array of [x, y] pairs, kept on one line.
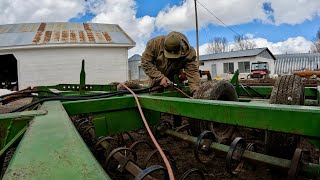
{"points": [[14, 105]]}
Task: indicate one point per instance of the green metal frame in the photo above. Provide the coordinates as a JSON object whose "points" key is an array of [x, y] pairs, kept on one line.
{"points": [[51, 148]]}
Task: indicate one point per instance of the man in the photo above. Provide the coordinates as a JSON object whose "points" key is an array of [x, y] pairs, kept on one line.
{"points": [[166, 56]]}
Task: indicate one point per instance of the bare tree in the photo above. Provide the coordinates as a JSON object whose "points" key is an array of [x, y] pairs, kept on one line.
{"points": [[242, 42], [217, 45], [315, 47]]}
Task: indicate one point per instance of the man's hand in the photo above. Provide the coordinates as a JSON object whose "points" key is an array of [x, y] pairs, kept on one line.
{"points": [[164, 82]]}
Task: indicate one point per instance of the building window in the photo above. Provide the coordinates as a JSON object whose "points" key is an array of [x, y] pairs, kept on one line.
{"points": [[228, 68], [244, 67]]}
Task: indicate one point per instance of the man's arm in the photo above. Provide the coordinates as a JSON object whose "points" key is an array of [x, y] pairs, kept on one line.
{"points": [[192, 71], [147, 63]]}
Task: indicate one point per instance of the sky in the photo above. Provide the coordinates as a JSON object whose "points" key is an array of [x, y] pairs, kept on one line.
{"points": [[284, 26]]}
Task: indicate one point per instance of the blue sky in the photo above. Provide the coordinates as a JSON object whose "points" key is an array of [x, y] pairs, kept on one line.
{"points": [[284, 26]]}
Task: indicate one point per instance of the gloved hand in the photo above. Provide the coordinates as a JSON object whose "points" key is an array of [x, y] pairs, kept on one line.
{"points": [[165, 82]]}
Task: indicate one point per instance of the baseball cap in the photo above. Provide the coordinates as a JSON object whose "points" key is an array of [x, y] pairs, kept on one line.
{"points": [[172, 46]]}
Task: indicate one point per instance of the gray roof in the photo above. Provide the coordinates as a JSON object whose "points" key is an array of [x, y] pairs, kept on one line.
{"points": [[63, 33], [235, 54], [286, 63], [135, 57]]}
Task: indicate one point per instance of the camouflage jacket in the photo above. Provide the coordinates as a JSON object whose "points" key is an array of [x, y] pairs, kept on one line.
{"points": [[156, 65]]}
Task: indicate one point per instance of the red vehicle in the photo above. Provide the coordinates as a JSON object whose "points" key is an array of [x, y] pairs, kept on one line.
{"points": [[259, 70]]}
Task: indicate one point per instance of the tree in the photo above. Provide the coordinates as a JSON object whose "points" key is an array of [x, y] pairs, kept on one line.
{"points": [[315, 47], [217, 45], [242, 42]]}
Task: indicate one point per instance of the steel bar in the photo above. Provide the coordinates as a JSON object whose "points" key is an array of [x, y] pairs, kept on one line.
{"points": [[131, 167], [301, 120], [24, 114], [310, 168], [12, 141], [99, 105], [52, 149]]}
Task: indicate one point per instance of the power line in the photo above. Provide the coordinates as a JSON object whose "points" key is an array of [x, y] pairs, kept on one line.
{"points": [[218, 18]]}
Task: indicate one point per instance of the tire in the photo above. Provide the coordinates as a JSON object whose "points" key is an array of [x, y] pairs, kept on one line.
{"points": [[130, 84], [288, 90], [214, 90]]}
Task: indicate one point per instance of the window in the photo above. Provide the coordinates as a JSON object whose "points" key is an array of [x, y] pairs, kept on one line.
{"points": [[244, 67], [228, 68]]}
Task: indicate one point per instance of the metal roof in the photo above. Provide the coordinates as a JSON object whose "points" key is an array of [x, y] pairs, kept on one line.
{"points": [[235, 54], [286, 63], [62, 33], [135, 57]]}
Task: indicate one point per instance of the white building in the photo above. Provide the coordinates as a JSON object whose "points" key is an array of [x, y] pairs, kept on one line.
{"points": [[136, 72], [51, 53], [223, 65]]}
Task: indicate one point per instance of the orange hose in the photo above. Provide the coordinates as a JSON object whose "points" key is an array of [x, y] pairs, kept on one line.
{"points": [[164, 157]]}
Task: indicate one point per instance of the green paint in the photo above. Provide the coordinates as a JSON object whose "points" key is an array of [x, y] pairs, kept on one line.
{"points": [[12, 141], [23, 114], [310, 168], [99, 105], [300, 120], [122, 121], [52, 149], [82, 79]]}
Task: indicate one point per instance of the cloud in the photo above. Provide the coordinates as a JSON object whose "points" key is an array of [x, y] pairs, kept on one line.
{"points": [[231, 12], [291, 45], [234, 12], [123, 12], [294, 11], [26, 11]]}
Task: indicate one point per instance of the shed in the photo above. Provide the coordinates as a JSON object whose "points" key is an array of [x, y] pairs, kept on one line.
{"points": [[135, 70], [51, 53], [287, 63], [224, 64]]}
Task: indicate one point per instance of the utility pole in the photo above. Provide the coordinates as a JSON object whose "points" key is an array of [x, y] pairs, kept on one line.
{"points": [[197, 31]]}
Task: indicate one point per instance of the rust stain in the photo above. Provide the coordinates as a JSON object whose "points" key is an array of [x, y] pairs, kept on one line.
{"points": [[37, 37], [65, 36], [73, 36], [82, 37], [42, 27], [47, 37], [90, 36], [56, 36], [99, 36], [107, 36], [87, 27]]}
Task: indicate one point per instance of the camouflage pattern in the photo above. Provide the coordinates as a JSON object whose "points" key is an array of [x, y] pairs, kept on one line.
{"points": [[157, 66]]}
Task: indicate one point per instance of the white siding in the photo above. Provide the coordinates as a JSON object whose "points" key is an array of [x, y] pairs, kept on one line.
{"points": [[51, 66], [219, 63]]}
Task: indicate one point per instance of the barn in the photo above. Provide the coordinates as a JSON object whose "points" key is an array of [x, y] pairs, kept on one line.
{"points": [[35, 54], [224, 64]]}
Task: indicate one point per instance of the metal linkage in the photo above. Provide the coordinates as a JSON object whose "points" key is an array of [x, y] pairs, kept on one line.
{"points": [[239, 151], [126, 158]]}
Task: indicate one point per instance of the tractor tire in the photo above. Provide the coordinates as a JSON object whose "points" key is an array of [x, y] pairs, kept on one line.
{"points": [[130, 84], [288, 90], [214, 90]]}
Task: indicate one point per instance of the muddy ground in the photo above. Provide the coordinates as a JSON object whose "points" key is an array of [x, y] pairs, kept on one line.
{"points": [[184, 157]]}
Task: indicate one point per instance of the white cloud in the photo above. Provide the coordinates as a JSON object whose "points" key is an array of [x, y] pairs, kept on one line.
{"points": [[25, 11], [231, 12], [291, 45], [294, 11], [123, 12]]}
